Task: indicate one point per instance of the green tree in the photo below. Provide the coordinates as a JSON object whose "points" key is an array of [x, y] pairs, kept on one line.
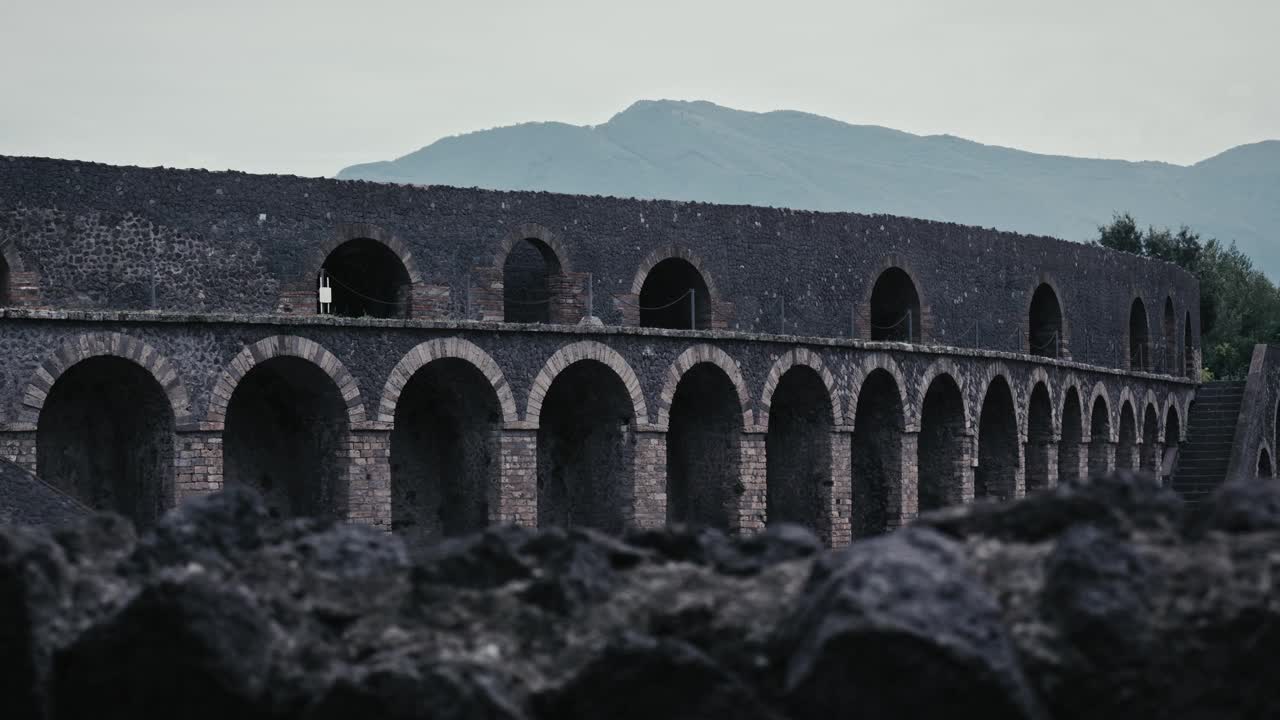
{"points": [[1239, 306]]}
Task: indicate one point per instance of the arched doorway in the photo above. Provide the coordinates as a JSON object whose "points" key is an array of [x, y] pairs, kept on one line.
{"points": [[105, 436], [877, 456], [444, 452], [1172, 438], [4, 282], [942, 465], [585, 450], [1151, 440], [286, 435], [895, 308], [368, 280], [527, 277], [1072, 435], [1045, 323], [704, 443], [1139, 342], [1039, 438], [1127, 448], [1169, 363], [675, 296], [1099, 438], [1264, 464], [997, 471], [1188, 349], [798, 449]]}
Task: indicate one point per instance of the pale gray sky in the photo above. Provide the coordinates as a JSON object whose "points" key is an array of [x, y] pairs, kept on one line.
{"points": [[309, 87]]}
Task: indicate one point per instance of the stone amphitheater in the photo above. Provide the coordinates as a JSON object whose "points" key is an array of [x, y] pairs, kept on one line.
{"points": [[432, 360]]}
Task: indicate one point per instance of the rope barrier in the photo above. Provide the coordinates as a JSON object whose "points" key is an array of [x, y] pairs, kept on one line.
{"points": [[358, 294], [686, 294], [894, 325]]}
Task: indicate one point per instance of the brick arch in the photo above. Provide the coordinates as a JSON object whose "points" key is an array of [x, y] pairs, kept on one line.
{"points": [[1126, 395], [1039, 375], [438, 349], [864, 307], [1072, 382], [858, 376], [576, 352], [1064, 342], [283, 346], [942, 366], [531, 231], [1113, 419], [685, 362], [1171, 403], [104, 344], [666, 253], [346, 232], [989, 375], [1149, 401], [788, 360]]}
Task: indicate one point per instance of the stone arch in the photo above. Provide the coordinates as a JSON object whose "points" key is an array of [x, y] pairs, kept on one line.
{"points": [[1069, 384], [1102, 433], [1169, 328], [705, 419], [943, 455], [1127, 433], [684, 362], [1188, 348], [940, 367], [1150, 430], [799, 450], [1139, 335], [105, 436], [1046, 334], [283, 346], [988, 374], [98, 344], [1100, 391], [999, 445], [440, 348], [1040, 434], [879, 416], [1171, 410], [665, 277], [788, 360], [578, 351], [858, 374], [1039, 376], [894, 293], [1073, 429], [532, 266], [344, 233], [531, 231]]}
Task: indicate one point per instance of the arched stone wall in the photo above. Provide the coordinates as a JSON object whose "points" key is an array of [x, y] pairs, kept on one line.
{"points": [[684, 362], [431, 350], [585, 350], [283, 346]]}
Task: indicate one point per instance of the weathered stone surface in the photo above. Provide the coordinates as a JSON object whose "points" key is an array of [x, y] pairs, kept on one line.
{"points": [[220, 611]]}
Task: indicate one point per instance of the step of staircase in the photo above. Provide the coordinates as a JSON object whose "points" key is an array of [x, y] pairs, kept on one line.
{"points": [[1203, 459]]}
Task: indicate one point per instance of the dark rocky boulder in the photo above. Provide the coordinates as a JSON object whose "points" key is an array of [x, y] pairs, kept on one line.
{"points": [[1100, 599]]}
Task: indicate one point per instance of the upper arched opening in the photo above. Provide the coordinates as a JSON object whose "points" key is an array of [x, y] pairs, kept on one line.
{"points": [[1045, 323], [366, 279], [1188, 348], [675, 296], [1139, 342], [528, 281], [895, 307], [1169, 326]]}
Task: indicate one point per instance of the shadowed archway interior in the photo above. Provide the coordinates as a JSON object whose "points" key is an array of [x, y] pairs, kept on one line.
{"points": [[1126, 449], [1099, 438], [1072, 435], [895, 307], [286, 436], [368, 280], [798, 449], [586, 449], [940, 451], [1139, 342], [1172, 439], [1150, 440], [675, 296], [1170, 362], [1039, 438], [997, 471], [876, 454], [1045, 323], [527, 276], [1265, 469], [703, 449], [444, 452], [105, 436]]}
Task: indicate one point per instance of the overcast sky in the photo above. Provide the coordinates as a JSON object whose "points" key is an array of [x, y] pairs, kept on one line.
{"points": [[309, 87]]}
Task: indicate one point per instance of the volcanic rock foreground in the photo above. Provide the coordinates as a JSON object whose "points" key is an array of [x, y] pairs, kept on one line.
{"points": [[1104, 600]]}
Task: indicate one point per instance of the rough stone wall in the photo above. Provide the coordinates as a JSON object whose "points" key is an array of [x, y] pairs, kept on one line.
{"points": [[1257, 426], [97, 235]]}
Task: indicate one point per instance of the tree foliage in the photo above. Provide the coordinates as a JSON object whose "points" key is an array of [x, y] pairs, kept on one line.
{"points": [[1239, 306]]}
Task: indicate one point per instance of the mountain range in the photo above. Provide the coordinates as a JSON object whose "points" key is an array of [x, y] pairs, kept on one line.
{"points": [[701, 151]]}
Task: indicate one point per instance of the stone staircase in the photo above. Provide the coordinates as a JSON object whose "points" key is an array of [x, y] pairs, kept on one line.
{"points": [[1202, 461]]}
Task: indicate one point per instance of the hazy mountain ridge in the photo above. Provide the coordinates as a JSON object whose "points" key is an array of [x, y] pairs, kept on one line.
{"points": [[701, 151]]}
